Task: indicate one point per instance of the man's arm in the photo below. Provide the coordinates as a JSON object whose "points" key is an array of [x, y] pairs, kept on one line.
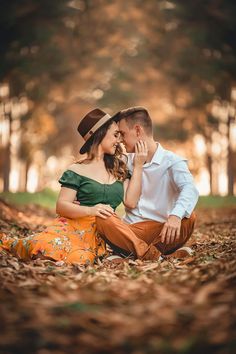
{"points": [[187, 198], [188, 193]]}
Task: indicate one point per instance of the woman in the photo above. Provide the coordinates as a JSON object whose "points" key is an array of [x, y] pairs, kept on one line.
{"points": [[99, 182]]}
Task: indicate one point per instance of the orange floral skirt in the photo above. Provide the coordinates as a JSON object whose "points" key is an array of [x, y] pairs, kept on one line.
{"points": [[69, 240]]}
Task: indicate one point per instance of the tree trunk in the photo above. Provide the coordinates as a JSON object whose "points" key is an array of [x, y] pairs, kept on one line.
{"points": [[7, 158], [209, 167], [27, 166], [230, 164]]}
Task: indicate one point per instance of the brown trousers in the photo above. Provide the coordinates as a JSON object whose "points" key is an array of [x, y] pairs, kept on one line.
{"points": [[141, 240]]}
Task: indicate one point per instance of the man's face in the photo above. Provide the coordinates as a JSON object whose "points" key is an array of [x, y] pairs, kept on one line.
{"points": [[129, 135]]}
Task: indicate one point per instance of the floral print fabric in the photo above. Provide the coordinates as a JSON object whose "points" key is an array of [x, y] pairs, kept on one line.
{"points": [[69, 240]]}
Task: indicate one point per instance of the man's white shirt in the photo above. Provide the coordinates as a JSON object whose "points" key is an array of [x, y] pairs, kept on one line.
{"points": [[167, 189]]}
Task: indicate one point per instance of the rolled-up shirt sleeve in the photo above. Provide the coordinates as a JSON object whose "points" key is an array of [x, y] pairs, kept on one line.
{"points": [[184, 183]]}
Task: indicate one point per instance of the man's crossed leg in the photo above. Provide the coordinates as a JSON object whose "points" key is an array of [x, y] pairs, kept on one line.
{"points": [[142, 240]]}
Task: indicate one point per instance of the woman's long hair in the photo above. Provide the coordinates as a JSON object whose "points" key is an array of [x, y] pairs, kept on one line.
{"points": [[116, 164]]}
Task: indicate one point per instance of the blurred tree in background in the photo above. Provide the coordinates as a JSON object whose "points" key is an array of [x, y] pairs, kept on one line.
{"points": [[198, 54], [33, 63], [176, 58]]}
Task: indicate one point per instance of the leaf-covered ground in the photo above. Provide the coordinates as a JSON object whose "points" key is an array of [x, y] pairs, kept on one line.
{"points": [[177, 306]]}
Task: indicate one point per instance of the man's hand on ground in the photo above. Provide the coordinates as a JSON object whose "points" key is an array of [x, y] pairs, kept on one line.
{"points": [[171, 230]]}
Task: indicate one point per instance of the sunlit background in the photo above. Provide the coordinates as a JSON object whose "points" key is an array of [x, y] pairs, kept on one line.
{"points": [[59, 59]]}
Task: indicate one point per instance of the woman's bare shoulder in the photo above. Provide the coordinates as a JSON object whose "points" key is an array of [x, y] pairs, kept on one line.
{"points": [[76, 167]]}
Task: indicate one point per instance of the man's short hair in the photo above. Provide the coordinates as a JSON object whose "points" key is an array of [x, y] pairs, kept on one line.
{"points": [[134, 115]]}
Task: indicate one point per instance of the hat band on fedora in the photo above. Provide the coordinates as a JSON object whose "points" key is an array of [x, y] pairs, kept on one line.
{"points": [[97, 126]]}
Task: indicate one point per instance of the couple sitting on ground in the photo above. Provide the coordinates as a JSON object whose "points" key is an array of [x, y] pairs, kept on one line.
{"points": [[154, 184]]}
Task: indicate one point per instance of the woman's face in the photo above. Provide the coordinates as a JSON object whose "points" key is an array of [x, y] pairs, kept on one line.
{"points": [[111, 139]]}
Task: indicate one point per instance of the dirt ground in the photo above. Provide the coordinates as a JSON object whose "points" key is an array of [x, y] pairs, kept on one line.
{"points": [[177, 306]]}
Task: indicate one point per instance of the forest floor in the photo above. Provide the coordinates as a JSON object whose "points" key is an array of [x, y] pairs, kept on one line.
{"points": [[176, 306]]}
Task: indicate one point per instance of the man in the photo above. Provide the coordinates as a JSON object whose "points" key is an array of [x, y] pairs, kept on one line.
{"points": [[162, 220]]}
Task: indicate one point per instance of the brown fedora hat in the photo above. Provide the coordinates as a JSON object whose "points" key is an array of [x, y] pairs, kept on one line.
{"points": [[90, 124]]}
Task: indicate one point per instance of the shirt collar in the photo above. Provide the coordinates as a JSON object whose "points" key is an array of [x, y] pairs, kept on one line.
{"points": [[158, 156]]}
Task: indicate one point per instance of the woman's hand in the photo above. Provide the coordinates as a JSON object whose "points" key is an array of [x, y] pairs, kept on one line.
{"points": [[101, 210], [134, 187], [141, 153]]}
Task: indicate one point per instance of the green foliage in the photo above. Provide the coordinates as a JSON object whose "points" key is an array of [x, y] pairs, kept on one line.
{"points": [[207, 55], [31, 47], [59, 54], [216, 202], [46, 198]]}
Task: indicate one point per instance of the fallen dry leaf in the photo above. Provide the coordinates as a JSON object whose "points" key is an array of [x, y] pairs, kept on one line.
{"points": [[176, 306]]}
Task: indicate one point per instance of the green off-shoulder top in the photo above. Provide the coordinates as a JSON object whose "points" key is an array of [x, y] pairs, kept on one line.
{"points": [[91, 192]]}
